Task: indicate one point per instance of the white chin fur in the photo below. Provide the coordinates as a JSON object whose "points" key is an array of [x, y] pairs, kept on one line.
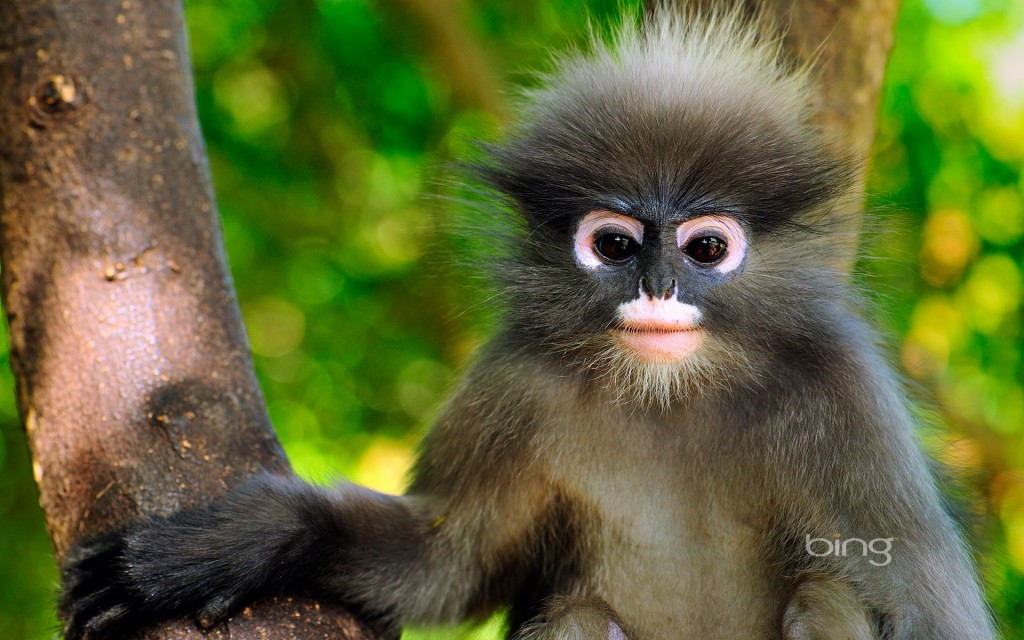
{"points": [[639, 380]]}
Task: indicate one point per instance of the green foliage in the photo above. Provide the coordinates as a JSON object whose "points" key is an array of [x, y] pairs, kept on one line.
{"points": [[948, 178], [329, 123]]}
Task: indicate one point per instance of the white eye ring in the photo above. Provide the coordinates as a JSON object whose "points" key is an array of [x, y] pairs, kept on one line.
{"points": [[600, 220], [719, 226]]}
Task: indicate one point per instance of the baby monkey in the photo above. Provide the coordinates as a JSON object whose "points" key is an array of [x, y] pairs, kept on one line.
{"points": [[683, 428]]}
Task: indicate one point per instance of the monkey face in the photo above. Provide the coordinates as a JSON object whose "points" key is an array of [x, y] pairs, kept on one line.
{"points": [[660, 270], [672, 228]]}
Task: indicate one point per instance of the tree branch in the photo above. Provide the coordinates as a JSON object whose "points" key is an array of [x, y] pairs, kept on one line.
{"points": [[135, 383]]}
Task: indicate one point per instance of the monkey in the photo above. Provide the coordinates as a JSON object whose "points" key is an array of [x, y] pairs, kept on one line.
{"points": [[683, 427]]}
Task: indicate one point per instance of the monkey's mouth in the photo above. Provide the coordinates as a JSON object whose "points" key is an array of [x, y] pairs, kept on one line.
{"points": [[656, 342]]}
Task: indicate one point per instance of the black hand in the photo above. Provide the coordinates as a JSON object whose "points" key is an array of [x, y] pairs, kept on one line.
{"points": [[203, 562]]}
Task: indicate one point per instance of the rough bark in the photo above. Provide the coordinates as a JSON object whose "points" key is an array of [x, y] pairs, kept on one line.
{"points": [[135, 384], [848, 44]]}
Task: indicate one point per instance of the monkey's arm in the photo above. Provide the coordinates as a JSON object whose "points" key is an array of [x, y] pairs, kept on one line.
{"points": [[929, 590], [271, 535], [926, 591], [434, 554], [888, 532]]}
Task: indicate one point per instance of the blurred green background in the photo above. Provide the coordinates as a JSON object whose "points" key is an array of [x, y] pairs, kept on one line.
{"points": [[328, 124]]}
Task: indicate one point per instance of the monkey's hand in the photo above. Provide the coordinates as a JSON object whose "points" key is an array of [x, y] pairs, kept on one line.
{"points": [[271, 535]]}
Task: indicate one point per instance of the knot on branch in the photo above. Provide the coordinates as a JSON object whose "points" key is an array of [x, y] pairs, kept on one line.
{"points": [[58, 95]]}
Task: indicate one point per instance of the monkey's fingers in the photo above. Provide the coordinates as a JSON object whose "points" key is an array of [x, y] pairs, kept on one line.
{"points": [[97, 599], [218, 609], [111, 622]]}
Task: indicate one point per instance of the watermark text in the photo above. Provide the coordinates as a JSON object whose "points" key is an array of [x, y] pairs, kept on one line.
{"points": [[875, 550]]}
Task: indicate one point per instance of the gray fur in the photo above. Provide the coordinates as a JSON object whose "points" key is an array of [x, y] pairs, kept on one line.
{"points": [[602, 497]]}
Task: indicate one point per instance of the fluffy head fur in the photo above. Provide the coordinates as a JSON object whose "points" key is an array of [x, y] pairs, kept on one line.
{"points": [[684, 116], [686, 110]]}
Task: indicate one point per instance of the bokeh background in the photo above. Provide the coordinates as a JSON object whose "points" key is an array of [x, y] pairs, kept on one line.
{"points": [[329, 123]]}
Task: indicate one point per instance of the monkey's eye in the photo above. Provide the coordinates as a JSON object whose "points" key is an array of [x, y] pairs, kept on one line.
{"points": [[706, 249], [606, 239], [715, 242], [616, 247]]}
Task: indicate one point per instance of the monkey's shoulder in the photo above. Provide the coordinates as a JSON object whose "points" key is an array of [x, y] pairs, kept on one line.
{"points": [[495, 413], [508, 383]]}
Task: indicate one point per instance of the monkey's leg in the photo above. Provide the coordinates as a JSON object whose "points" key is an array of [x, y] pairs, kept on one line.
{"points": [[574, 618], [824, 608]]}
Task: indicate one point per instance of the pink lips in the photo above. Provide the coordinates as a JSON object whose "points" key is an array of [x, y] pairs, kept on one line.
{"points": [[660, 342]]}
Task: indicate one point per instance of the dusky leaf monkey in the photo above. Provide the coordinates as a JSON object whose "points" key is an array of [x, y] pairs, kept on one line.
{"points": [[684, 428]]}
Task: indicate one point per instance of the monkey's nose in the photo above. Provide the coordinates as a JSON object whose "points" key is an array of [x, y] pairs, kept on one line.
{"points": [[658, 287]]}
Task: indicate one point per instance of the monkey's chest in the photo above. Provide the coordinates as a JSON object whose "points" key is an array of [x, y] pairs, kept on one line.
{"points": [[682, 573], [674, 558]]}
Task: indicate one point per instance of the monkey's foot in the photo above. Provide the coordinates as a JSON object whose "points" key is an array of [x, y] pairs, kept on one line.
{"points": [[572, 618]]}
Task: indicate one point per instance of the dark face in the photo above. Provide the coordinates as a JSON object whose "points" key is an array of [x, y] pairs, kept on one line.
{"points": [[655, 273], [642, 297], [673, 235]]}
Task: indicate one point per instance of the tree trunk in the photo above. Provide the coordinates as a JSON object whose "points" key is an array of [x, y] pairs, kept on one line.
{"points": [[135, 383]]}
